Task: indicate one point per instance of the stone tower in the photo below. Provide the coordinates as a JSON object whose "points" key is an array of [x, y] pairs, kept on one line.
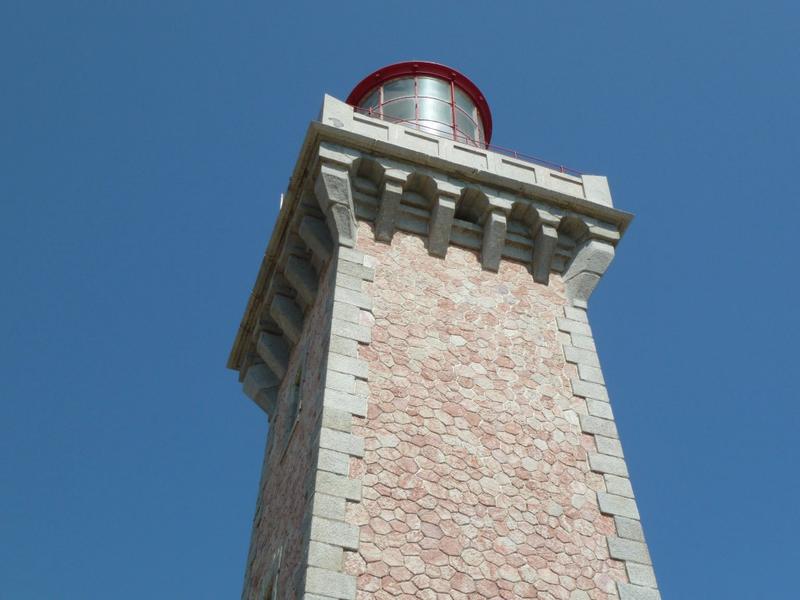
{"points": [[417, 334]]}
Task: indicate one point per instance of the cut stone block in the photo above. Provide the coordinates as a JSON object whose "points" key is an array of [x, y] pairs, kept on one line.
{"points": [[274, 351]]}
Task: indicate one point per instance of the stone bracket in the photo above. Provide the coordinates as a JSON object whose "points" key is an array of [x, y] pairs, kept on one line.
{"points": [[545, 241], [303, 278], [441, 224], [335, 196], [288, 316], [590, 261], [390, 195], [316, 236], [261, 386], [494, 238], [274, 351]]}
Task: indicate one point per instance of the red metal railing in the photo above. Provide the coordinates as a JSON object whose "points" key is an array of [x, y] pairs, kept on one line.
{"points": [[458, 136]]}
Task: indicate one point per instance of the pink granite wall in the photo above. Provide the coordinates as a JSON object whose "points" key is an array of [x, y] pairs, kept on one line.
{"points": [[476, 483], [287, 477]]}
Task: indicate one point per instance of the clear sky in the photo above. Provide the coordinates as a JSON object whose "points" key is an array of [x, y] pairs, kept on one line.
{"points": [[143, 149]]}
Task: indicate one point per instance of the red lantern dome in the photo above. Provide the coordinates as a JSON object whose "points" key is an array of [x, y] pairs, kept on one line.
{"points": [[427, 96]]}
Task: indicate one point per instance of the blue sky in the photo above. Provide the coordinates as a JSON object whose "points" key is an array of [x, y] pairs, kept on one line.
{"points": [[143, 149]]}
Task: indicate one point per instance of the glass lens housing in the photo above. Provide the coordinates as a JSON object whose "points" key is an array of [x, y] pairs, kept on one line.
{"points": [[465, 125], [372, 101], [400, 110], [399, 88], [435, 110], [429, 104], [433, 88], [464, 102]]}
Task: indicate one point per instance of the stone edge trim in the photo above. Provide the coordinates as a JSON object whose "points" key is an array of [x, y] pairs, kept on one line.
{"points": [[629, 545], [344, 396]]}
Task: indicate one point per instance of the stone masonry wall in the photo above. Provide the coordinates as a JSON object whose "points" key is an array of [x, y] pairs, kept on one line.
{"points": [[475, 475], [282, 510]]}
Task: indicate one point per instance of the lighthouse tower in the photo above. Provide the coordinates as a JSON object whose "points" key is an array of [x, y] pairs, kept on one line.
{"points": [[418, 337]]}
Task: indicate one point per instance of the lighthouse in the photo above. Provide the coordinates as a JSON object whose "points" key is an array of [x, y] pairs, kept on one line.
{"points": [[418, 338]]}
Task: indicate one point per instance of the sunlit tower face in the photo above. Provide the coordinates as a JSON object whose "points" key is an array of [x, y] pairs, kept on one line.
{"points": [[426, 96]]}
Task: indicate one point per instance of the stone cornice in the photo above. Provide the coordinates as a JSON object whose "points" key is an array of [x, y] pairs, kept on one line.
{"points": [[552, 204], [587, 195]]}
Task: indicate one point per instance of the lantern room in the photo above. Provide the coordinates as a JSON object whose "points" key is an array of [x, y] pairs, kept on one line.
{"points": [[427, 96]]}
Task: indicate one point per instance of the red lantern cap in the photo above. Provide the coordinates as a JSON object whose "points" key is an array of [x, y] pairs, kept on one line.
{"points": [[419, 67]]}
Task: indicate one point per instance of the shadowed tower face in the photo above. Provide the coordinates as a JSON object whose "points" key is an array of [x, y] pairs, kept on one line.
{"points": [[418, 336]]}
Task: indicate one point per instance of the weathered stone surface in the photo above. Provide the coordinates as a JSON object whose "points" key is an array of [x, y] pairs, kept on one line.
{"points": [[325, 556], [471, 467], [581, 356], [352, 255], [628, 591], [611, 504], [592, 374], [328, 507], [337, 533], [335, 462], [601, 409], [342, 382], [335, 418], [583, 342], [352, 403], [359, 299], [356, 270], [570, 326], [353, 331], [641, 574], [595, 188], [341, 442], [623, 549], [330, 583], [621, 486], [629, 528], [347, 312], [597, 426], [342, 345], [349, 282], [576, 314], [346, 364], [589, 390], [602, 463], [338, 485]]}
